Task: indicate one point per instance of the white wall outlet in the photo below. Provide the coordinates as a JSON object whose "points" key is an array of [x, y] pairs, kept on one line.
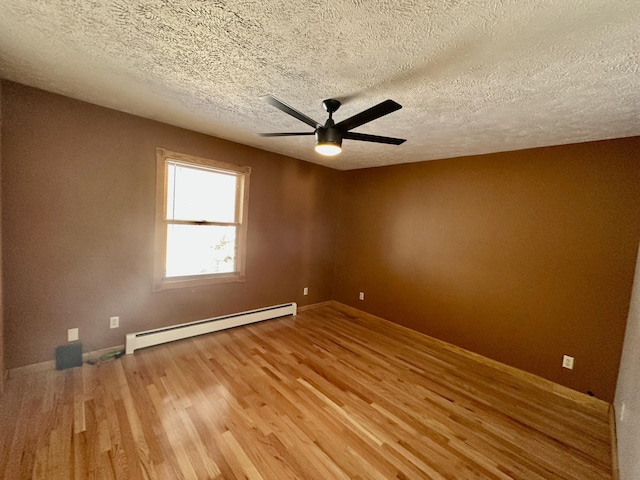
{"points": [[567, 362], [622, 412], [72, 335], [114, 322], [305, 291], [361, 296]]}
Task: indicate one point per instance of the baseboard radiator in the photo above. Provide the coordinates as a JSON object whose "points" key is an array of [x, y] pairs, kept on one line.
{"points": [[149, 338]]}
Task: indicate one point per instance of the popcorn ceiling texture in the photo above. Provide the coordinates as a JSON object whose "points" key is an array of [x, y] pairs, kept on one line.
{"points": [[473, 76]]}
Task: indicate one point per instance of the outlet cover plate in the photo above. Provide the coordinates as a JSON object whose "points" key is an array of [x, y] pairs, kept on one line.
{"points": [[567, 362], [73, 334]]}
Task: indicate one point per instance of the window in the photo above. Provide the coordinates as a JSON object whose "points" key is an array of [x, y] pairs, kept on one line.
{"points": [[201, 221]]}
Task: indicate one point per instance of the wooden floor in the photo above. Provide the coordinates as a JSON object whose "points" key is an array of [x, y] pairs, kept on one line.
{"points": [[323, 395]]}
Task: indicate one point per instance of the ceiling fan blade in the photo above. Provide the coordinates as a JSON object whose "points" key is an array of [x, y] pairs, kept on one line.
{"points": [[273, 101], [368, 115], [373, 138], [285, 134]]}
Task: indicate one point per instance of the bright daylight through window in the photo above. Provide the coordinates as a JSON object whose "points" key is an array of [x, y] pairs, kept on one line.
{"points": [[201, 221]]}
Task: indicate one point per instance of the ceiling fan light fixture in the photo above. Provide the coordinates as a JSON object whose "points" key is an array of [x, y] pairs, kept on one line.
{"points": [[329, 136], [328, 142], [328, 149]]}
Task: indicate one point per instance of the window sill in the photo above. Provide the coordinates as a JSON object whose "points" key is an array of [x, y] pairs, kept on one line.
{"points": [[199, 281]]}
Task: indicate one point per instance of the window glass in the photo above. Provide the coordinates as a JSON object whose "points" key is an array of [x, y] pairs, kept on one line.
{"points": [[200, 250], [201, 221], [200, 194]]}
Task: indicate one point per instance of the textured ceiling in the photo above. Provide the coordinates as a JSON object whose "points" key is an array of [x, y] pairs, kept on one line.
{"points": [[473, 76]]}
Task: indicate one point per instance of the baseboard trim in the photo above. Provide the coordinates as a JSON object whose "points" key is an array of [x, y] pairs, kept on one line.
{"points": [[51, 364], [313, 306], [615, 466], [3, 383], [33, 368], [597, 404]]}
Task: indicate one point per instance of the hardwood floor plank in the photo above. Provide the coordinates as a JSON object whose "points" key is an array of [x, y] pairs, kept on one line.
{"points": [[327, 394], [238, 458]]}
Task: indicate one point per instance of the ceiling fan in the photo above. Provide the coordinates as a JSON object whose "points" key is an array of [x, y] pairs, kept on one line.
{"points": [[330, 135]]}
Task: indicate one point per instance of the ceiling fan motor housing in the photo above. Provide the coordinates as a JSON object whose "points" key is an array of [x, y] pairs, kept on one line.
{"points": [[329, 135]]}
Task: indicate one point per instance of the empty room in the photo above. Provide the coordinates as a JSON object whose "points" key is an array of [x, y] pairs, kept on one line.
{"points": [[319, 240]]}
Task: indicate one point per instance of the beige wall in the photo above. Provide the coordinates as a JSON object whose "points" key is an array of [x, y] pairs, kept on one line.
{"points": [[627, 399], [79, 192], [520, 256], [2, 368]]}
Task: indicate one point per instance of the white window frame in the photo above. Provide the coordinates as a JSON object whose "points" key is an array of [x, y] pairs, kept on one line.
{"points": [[160, 281]]}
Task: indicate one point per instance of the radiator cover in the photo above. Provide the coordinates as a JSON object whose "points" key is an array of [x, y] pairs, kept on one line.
{"points": [[181, 331]]}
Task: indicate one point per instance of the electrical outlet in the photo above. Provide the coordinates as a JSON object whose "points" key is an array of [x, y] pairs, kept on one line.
{"points": [[567, 362], [622, 412], [305, 291], [361, 296], [114, 322], [73, 334]]}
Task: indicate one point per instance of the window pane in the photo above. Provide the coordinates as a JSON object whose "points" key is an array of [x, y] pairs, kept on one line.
{"points": [[200, 250], [195, 193]]}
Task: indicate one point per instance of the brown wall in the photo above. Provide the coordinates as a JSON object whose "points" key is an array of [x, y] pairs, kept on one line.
{"points": [[78, 194], [521, 256]]}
